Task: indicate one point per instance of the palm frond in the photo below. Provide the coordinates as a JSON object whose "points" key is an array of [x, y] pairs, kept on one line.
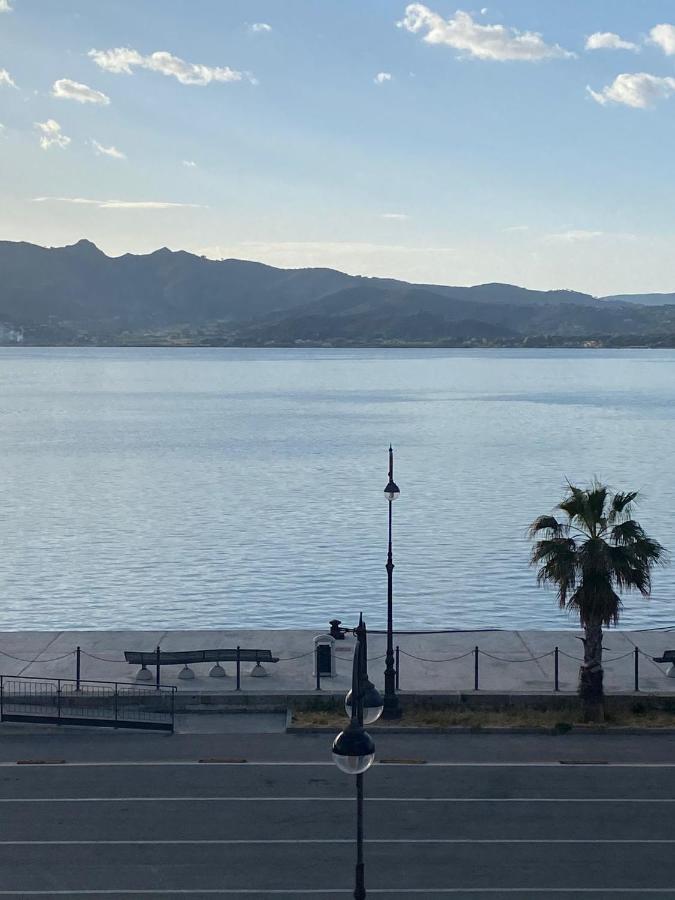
{"points": [[548, 524], [596, 602], [621, 505], [556, 559]]}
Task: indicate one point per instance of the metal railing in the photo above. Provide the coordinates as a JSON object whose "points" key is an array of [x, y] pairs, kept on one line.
{"points": [[475, 653], [66, 701]]}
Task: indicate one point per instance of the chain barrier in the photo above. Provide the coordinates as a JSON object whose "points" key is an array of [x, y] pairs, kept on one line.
{"points": [[445, 659], [37, 659], [101, 658], [510, 660], [301, 656]]}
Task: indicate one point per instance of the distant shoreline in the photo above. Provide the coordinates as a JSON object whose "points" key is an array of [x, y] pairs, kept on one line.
{"points": [[324, 345]]}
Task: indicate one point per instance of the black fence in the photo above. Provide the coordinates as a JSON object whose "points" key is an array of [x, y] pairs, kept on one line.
{"points": [[65, 701], [553, 655]]}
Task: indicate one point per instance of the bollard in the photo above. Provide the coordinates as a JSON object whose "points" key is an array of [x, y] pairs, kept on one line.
{"points": [[77, 669], [238, 668], [557, 682], [318, 670], [157, 663], [58, 700], [475, 669], [398, 658], [637, 669]]}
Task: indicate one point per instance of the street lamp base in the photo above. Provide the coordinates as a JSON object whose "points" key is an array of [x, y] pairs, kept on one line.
{"points": [[392, 707]]}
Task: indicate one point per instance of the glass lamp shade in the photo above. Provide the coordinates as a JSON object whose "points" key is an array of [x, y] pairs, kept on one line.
{"points": [[372, 704], [392, 491], [353, 750]]}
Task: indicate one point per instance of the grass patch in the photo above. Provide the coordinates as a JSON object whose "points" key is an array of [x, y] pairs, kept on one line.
{"points": [[443, 717]]}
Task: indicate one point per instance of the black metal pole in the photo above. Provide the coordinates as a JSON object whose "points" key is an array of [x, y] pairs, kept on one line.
{"points": [[360, 884], [238, 668], [318, 670], [392, 709], [77, 670], [475, 668], [637, 669], [398, 667], [158, 664], [557, 682], [358, 679]]}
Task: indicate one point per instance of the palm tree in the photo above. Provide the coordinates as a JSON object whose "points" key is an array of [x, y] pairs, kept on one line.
{"points": [[597, 550]]}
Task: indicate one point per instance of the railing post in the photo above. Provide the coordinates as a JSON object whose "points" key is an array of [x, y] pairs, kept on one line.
{"points": [[475, 669], [2, 696], [173, 709], [116, 695], [557, 681], [637, 669], [317, 667], [238, 668], [398, 659], [158, 664], [77, 669], [58, 700]]}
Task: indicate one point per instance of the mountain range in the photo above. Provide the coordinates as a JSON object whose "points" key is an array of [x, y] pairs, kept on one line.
{"points": [[77, 294]]}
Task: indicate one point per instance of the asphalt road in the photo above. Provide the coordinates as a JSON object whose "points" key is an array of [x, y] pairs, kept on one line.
{"points": [[505, 827]]}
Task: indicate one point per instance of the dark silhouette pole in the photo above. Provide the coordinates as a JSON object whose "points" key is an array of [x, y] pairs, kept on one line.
{"points": [[392, 708], [353, 748], [358, 678]]}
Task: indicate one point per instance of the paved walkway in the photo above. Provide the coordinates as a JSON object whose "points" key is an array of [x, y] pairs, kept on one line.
{"points": [[508, 661]]}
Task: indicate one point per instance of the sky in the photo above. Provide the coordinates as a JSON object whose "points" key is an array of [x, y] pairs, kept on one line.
{"points": [[527, 142]]}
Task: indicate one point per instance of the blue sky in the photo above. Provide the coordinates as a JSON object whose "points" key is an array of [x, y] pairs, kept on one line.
{"points": [[478, 154]]}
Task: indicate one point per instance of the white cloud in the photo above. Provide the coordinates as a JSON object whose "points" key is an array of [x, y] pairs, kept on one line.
{"points": [[5, 7], [381, 77], [607, 40], [573, 236], [494, 42], [399, 217], [356, 256], [119, 204], [6, 79], [484, 11], [190, 163], [515, 228], [51, 135], [259, 27], [579, 235], [124, 60], [107, 151], [638, 90], [65, 89], [664, 37]]}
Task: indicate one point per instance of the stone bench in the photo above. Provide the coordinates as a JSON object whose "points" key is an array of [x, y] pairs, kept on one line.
{"points": [[160, 658], [667, 657]]}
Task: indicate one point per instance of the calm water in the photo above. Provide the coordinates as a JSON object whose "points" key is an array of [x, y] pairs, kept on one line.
{"points": [[222, 488]]}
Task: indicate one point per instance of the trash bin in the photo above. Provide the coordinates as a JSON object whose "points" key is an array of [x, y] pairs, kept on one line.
{"points": [[324, 656]]}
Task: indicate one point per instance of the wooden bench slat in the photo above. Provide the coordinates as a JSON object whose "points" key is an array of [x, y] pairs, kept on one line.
{"points": [[183, 657]]}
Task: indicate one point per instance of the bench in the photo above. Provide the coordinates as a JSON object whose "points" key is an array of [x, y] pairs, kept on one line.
{"points": [[160, 658], [667, 657]]}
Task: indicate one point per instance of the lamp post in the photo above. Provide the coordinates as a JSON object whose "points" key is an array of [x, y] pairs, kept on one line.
{"points": [[392, 708], [353, 748]]}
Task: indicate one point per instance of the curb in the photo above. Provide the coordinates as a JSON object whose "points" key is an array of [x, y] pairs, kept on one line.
{"points": [[493, 729]]}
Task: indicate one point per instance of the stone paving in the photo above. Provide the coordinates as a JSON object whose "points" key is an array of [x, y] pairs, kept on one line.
{"points": [[509, 661]]}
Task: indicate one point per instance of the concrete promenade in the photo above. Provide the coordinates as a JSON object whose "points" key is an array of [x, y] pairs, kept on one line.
{"points": [[509, 661]]}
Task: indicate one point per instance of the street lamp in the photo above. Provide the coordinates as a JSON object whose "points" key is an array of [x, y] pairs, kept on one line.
{"points": [[353, 748], [392, 708], [371, 698]]}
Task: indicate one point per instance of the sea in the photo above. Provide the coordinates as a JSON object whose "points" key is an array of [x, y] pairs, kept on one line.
{"points": [[191, 488]]}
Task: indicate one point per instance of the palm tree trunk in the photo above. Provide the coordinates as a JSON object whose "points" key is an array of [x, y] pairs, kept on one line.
{"points": [[591, 674]]}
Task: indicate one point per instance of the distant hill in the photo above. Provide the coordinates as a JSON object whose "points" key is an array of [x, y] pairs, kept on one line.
{"points": [[643, 299], [77, 294]]}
